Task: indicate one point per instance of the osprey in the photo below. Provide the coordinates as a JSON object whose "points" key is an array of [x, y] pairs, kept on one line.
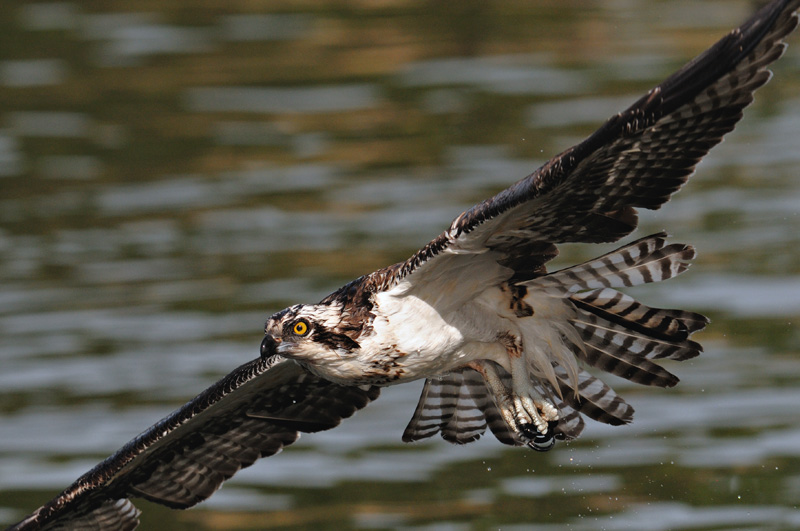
{"points": [[500, 341]]}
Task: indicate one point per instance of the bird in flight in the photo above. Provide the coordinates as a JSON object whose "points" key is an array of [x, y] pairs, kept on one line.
{"points": [[501, 342]]}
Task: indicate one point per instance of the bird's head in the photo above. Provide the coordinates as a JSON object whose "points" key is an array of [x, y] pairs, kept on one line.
{"points": [[320, 336]]}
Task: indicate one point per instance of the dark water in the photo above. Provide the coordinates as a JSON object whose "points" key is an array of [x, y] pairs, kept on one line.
{"points": [[170, 175]]}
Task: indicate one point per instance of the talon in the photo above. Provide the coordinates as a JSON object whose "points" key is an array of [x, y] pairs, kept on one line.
{"points": [[531, 416], [549, 411]]}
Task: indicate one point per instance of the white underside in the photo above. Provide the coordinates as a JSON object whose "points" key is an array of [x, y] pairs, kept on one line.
{"points": [[437, 342]]}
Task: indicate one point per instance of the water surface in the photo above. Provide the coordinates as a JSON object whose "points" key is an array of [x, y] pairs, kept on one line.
{"points": [[170, 176]]}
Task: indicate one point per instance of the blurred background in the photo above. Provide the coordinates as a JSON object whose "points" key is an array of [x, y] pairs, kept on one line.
{"points": [[171, 173]]}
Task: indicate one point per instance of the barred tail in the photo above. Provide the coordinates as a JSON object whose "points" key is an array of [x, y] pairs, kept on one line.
{"points": [[447, 406], [601, 327], [458, 406], [594, 398], [646, 260], [615, 333]]}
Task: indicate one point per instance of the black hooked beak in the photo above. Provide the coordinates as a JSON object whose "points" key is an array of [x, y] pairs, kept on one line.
{"points": [[269, 347]]}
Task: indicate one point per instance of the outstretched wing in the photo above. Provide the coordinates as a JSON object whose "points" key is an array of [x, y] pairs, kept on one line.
{"points": [[253, 412], [590, 192]]}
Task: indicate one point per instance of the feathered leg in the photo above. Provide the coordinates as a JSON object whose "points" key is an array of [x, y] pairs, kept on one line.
{"points": [[527, 412]]}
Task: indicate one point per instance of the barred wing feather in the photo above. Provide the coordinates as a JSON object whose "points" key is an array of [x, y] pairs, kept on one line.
{"points": [[637, 159], [253, 412]]}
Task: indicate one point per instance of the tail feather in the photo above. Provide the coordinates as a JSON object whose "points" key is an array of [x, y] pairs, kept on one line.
{"points": [[427, 417], [613, 332], [468, 422], [447, 407], [666, 322], [594, 398], [570, 424], [614, 360], [459, 407], [622, 336], [655, 322], [599, 326], [646, 260], [626, 338]]}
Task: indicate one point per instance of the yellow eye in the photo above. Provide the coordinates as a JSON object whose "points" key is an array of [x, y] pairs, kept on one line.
{"points": [[300, 328]]}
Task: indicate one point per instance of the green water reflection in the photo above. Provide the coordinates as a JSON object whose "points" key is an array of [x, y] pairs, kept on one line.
{"points": [[170, 174]]}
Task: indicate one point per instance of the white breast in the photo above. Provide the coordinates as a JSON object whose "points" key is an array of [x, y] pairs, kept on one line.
{"points": [[414, 327], [432, 343]]}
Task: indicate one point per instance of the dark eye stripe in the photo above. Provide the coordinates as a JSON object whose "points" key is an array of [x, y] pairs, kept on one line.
{"points": [[334, 340]]}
